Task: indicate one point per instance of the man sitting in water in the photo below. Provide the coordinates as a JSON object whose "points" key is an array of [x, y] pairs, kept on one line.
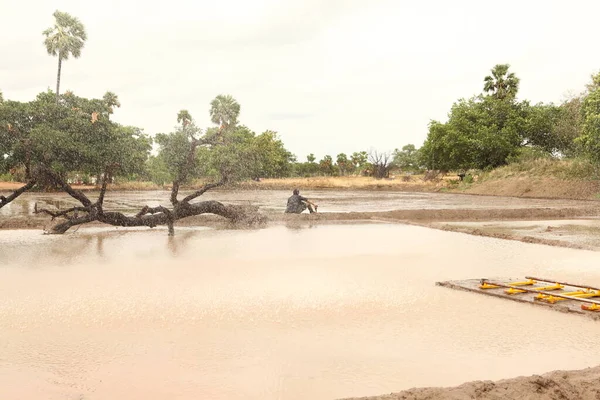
{"points": [[296, 204]]}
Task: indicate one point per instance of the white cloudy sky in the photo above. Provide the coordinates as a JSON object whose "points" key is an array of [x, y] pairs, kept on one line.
{"points": [[329, 75]]}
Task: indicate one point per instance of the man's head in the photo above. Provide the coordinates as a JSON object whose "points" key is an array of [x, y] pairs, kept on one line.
{"points": [[296, 192]]}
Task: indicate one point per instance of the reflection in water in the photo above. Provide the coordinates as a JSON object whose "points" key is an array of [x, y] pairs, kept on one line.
{"points": [[298, 225], [273, 313]]}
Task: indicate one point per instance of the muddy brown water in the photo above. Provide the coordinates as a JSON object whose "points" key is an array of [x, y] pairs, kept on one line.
{"points": [[275, 200], [316, 313]]}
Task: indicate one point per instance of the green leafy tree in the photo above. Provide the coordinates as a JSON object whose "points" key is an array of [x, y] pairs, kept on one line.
{"points": [[344, 165], [275, 161], [407, 159], [359, 160], [66, 38], [501, 84], [590, 128], [311, 158], [480, 133], [326, 166]]}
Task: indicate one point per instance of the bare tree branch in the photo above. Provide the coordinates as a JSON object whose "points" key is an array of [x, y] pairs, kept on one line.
{"points": [[5, 200], [203, 190], [76, 194]]}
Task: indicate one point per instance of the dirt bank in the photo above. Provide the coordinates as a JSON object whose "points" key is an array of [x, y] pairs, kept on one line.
{"points": [[564, 385], [538, 187]]}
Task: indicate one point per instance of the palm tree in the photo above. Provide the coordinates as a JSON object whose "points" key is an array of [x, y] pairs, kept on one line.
{"points": [[1, 97], [66, 38], [184, 117], [224, 111], [502, 84], [111, 100]]}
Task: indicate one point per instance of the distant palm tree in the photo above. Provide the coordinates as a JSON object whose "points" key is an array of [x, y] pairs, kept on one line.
{"points": [[224, 111], [66, 38], [502, 84], [111, 100], [184, 117], [1, 97]]}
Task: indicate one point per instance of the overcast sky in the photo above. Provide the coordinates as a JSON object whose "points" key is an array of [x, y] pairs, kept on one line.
{"points": [[330, 76]]}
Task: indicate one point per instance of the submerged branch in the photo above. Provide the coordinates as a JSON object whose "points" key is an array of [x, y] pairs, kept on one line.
{"points": [[63, 213]]}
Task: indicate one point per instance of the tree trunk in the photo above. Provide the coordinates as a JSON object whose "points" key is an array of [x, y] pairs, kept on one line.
{"points": [[58, 78]]}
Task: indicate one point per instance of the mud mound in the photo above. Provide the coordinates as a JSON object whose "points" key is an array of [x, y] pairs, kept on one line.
{"points": [[581, 385]]}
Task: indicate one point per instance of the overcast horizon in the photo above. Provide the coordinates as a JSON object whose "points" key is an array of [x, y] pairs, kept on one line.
{"points": [[329, 77]]}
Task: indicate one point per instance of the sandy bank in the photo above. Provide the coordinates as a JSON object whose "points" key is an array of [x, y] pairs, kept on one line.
{"points": [[582, 385]]}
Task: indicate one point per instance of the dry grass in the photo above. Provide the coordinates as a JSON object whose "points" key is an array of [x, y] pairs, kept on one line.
{"points": [[549, 168], [134, 185], [415, 183]]}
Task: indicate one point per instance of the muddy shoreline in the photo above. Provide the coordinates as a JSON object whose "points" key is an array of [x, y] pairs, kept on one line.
{"points": [[442, 219], [580, 384]]}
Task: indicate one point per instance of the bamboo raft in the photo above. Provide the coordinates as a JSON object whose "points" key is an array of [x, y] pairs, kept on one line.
{"points": [[559, 296]]}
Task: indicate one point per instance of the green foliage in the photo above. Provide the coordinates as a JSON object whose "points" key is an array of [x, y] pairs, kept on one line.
{"points": [[230, 151], [73, 135], [224, 111], [407, 159], [308, 168], [488, 131], [360, 160], [468, 179], [184, 117], [326, 166], [344, 165], [158, 170], [67, 37], [502, 85], [274, 160], [480, 133], [590, 113]]}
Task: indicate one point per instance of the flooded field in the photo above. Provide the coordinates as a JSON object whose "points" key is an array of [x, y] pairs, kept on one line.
{"points": [[317, 313], [275, 200]]}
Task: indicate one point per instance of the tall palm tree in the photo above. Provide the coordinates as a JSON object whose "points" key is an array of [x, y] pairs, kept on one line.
{"points": [[184, 117], [224, 111], [501, 84], [111, 100], [66, 38]]}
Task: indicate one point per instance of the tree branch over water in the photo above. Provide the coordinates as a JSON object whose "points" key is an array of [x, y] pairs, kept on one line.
{"points": [[147, 216], [6, 200]]}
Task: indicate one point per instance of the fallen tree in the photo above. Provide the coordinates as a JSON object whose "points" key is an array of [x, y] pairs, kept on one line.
{"points": [[147, 216], [74, 136]]}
